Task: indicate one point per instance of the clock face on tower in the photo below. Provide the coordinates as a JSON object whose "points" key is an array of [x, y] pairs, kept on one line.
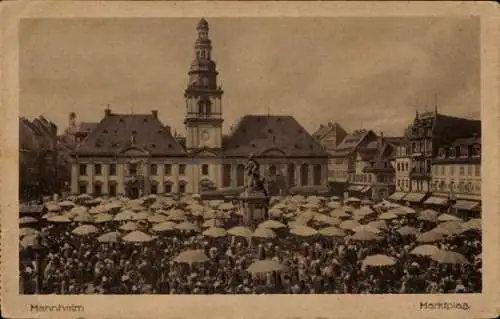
{"points": [[205, 136]]}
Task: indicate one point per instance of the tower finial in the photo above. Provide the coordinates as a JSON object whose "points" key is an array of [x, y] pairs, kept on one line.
{"points": [[435, 103], [202, 24]]}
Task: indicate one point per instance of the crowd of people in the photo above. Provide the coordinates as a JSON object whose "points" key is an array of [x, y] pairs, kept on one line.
{"points": [[362, 252]]}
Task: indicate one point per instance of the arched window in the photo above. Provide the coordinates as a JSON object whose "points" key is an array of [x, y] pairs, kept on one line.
{"points": [[154, 187], [112, 189], [97, 188], [304, 174], [226, 175], [204, 108], [168, 188], [82, 187], [182, 187], [240, 175], [291, 174], [317, 174]]}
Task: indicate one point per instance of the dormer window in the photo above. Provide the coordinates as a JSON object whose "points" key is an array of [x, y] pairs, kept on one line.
{"points": [[442, 152], [476, 151], [453, 152]]}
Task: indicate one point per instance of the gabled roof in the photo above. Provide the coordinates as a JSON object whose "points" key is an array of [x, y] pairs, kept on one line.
{"points": [[351, 142], [27, 136], [380, 158], [271, 135], [39, 133], [119, 132], [445, 128], [324, 130]]}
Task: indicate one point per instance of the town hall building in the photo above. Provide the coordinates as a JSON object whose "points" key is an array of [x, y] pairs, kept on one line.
{"points": [[136, 154]]}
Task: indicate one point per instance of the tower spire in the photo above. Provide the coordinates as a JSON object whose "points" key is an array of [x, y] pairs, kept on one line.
{"points": [[203, 95]]}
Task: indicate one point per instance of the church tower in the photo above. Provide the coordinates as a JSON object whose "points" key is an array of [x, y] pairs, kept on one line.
{"points": [[203, 120]]}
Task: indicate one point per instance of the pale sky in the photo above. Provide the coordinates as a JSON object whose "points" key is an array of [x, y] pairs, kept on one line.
{"points": [[371, 73]]}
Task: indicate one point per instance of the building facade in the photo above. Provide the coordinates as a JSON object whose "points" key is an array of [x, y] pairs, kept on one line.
{"points": [[42, 166], [342, 164], [374, 176], [427, 134], [330, 136], [136, 154], [456, 174]]}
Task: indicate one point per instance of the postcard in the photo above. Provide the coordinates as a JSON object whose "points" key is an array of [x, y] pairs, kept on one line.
{"points": [[249, 160]]}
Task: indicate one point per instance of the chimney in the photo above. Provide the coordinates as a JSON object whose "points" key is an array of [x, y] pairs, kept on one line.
{"points": [[155, 113], [107, 112], [381, 139], [168, 128]]}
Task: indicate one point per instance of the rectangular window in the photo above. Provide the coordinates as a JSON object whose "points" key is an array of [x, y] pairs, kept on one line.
{"points": [[132, 169], [168, 169], [406, 167], [462, 170], [98, 169], [83, 169], [112, 169], [182, 169], [154, 170], [478, 170], [443, 170], [204, 169], [469, 170], [452, 170]]}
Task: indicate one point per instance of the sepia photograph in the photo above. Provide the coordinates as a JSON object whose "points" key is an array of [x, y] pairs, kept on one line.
{"points": [[225, 155]]}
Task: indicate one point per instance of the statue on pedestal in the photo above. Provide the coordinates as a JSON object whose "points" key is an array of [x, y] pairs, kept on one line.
{"points": [[255, 198], [255, 183]]}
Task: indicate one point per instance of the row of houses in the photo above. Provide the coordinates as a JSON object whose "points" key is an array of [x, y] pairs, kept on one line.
{"points": [[436, 161], [43, 159]]}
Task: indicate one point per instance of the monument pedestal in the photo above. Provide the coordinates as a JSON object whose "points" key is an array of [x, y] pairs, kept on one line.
{"points": [[254, 205]]}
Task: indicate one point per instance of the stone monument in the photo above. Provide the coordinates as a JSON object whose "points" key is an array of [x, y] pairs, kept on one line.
{"points": [[255, 198]]}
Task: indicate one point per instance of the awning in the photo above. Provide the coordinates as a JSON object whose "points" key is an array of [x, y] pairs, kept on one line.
{"points": [[414, 197], [397, 196], [466, 205], [435, 200], [366, 189], [355, 188], [338, 180]]}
